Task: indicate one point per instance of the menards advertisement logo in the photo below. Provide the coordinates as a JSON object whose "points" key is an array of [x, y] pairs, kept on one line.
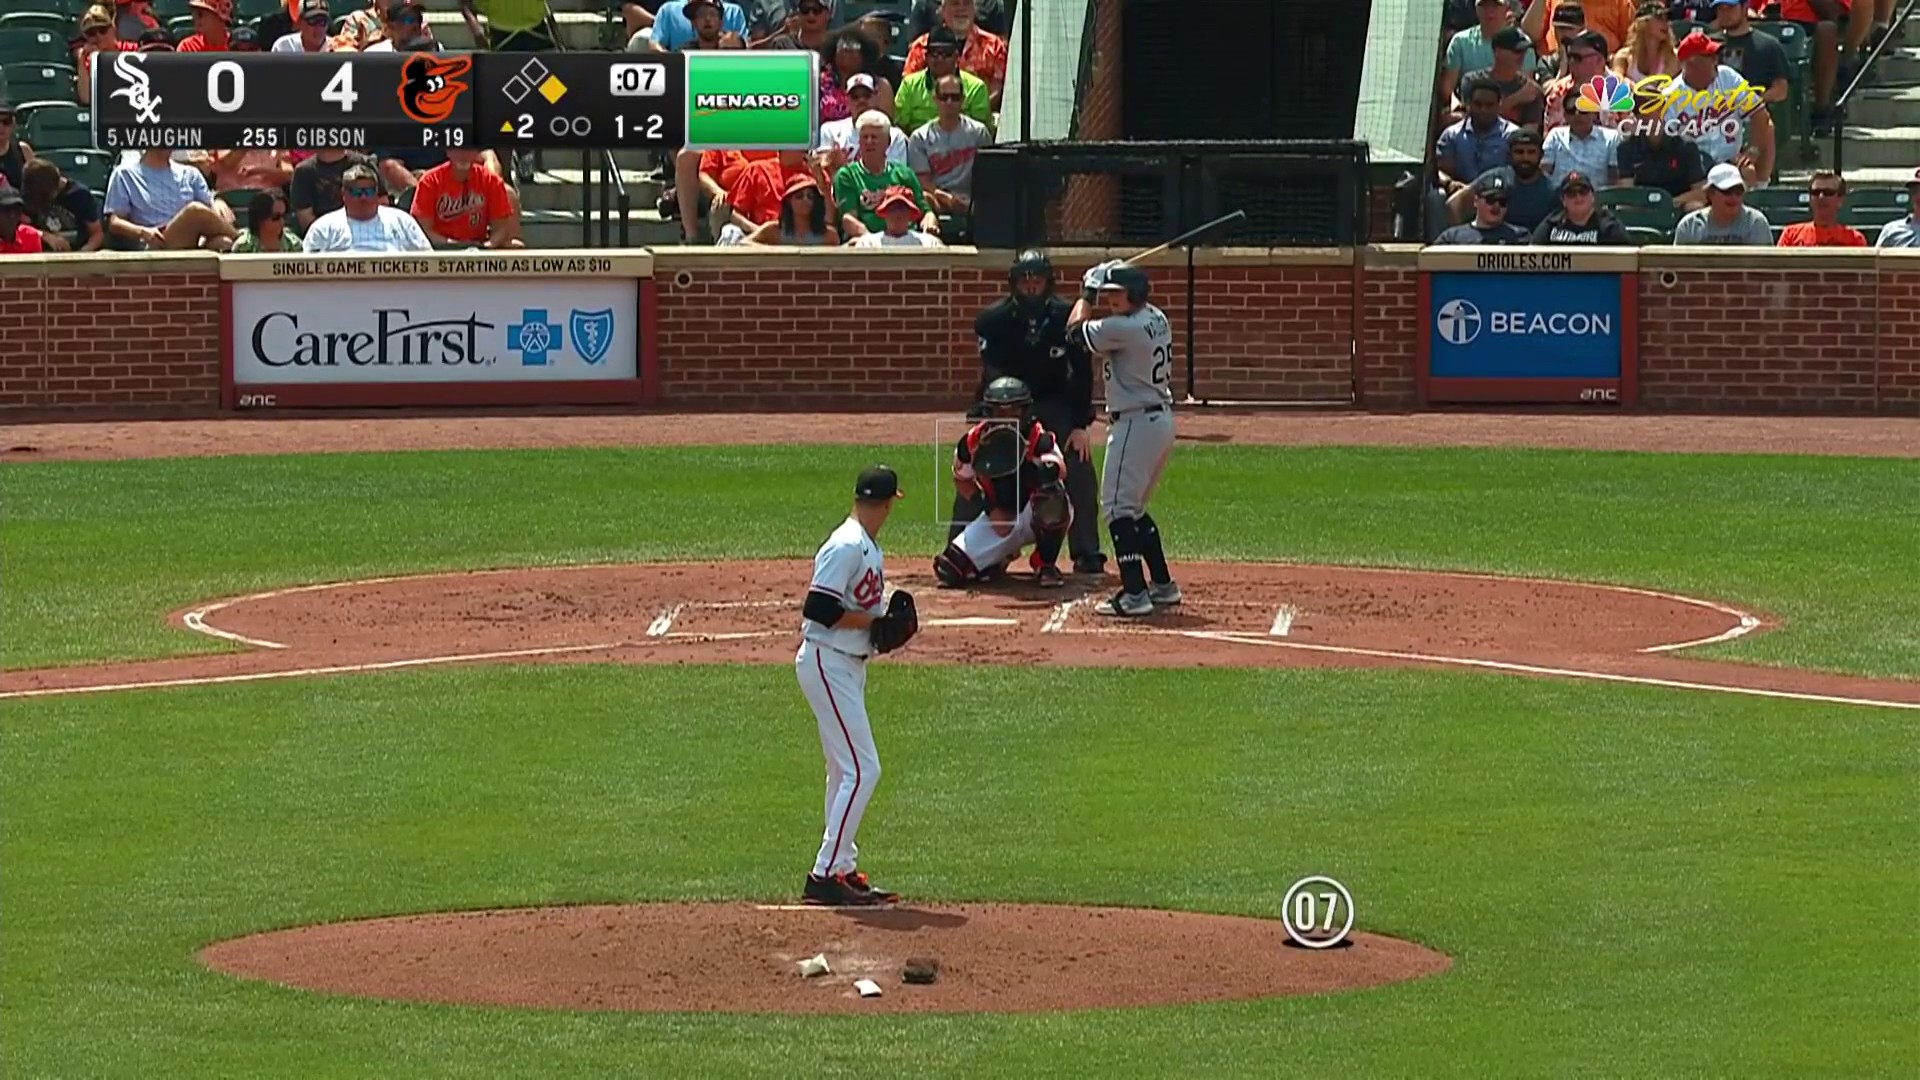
{"points": [[709, 104]]}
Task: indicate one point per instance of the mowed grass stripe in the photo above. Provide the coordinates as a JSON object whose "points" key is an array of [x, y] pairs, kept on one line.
{"points": [[1638, 881], [96, 552]]}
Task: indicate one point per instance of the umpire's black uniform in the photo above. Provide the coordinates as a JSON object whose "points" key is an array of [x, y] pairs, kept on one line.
{"points": [[1026, 337]]}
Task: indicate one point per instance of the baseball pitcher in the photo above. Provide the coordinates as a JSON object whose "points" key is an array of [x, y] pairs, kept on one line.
{"points": [[1134, 342], [1015, 467], [843, 623]]}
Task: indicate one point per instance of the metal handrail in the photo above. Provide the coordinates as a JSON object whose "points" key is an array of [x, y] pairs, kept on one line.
{"points": [[608, 169], [1840, 100]]}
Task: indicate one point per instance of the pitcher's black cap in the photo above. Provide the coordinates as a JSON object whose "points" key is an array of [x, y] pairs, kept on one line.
{"points": [[877, 484]]}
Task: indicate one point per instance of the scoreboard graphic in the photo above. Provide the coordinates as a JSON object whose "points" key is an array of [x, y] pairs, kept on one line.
{"points": [[313, 101]]}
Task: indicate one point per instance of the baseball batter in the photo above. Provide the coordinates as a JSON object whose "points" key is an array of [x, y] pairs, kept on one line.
{"points": [[1135, 344], [1028, 505], [843, 624]]}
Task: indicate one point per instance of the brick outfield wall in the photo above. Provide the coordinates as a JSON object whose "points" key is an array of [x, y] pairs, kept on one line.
{"points": [[141, 336]]}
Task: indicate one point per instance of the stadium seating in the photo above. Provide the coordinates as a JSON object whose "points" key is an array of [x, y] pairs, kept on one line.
{"points": [[854, 10], [57, 126], [249, 10], [180, 26], [39, 82], [55, 23], [1783, 206], [237, 199], [166, 10], [33, 46], [88, 166], [1647, 213]]}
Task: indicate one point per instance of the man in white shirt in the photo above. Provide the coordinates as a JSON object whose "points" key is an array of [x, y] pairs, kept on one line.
{"points": [[312, 35], [1905, 232], [361, 223], [841, 133], [902, 214], [1581, 145]]}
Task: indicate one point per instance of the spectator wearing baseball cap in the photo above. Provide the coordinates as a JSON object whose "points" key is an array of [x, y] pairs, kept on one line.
{"points": [[1904, 232], [1827, 193], [311, 37], [803, 219], [157, 40], [363, 224], [1553, 21], [982, 52], [860, 185], [1472, 49], [1727, 220], [1521, 97], [942, 152], [1583, 58], [901, 211], [838, 142], [1531, 192], [1581, 219], [97, 35], [1702, 117], [1489, 224], [914, 100], [673, 28], [211, 22], [244, 39], [16, 236]]}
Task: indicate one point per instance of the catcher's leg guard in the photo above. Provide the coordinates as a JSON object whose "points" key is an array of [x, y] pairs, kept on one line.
{"points": [[1129, 552], [953, 568], [1155, 555]]}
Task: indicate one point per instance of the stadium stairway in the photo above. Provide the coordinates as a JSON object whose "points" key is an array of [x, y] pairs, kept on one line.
{"points": [[1881, 140]]}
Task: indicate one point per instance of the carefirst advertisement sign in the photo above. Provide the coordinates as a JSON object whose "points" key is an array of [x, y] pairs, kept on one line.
{"points": [[425, 341]]}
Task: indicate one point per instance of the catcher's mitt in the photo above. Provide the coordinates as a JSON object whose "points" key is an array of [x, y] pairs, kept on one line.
{"points": [[998, 452], [898, 625], [1050, 507]]}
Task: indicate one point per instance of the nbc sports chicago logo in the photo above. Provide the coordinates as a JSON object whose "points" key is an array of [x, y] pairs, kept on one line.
{"points": [[1461, 322], [1689, 113]]}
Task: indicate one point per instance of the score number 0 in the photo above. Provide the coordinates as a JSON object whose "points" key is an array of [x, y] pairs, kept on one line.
{"points": [[227, 87]]}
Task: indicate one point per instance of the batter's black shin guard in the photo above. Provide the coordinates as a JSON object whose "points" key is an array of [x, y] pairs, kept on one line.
{"points": [[1156, 555], [1126, 551]]}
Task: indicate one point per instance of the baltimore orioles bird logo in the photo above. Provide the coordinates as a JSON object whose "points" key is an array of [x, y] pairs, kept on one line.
{"points": [[430, 85]]}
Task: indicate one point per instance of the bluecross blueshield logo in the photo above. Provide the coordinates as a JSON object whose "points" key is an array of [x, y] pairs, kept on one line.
{"points": [[1458, 322], [592, 333], [533, 337]]}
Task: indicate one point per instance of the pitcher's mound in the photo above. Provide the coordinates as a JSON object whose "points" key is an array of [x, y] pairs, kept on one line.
{"points": [[745, 958]]}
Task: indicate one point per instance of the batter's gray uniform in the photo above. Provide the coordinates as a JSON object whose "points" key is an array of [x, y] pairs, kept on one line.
{"points": [[1136, 354]]}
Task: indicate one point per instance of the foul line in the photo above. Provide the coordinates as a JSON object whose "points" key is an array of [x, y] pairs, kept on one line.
{"points": [[336, 669], [1536, 669]]}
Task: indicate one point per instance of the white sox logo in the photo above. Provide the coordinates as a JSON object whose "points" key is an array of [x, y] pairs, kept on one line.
{"points": [[138, 88]]}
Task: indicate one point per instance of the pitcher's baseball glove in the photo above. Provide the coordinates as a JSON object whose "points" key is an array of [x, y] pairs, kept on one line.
{"points": [[898, 625], [998, 452]]}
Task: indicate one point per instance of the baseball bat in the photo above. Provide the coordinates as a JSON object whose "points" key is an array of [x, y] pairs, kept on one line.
{"points": [[1217, 223]]}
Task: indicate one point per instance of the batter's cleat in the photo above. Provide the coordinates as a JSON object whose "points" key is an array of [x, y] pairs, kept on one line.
{"points": [[1130, 605], [1090, 564], [857, 881], [1050, 577], [837, 891], [1163, 594]]}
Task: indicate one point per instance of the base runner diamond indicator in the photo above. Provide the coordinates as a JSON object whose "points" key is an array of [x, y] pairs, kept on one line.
{"points": [[753, 101]]}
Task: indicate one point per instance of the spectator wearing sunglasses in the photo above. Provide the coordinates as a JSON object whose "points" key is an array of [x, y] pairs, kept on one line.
{"points": [[266, 230], [1828, 193], [97, 35], [406, 29], [805, 28], [942, 151], [914, 102], [981, 52], [1489, 224], [312, 35], [363, 224]]}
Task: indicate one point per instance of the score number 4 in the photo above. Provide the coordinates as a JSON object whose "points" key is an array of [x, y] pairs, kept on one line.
{"points": [[227, 87]]}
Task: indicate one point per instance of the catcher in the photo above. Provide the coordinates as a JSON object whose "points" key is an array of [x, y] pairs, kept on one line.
{"points": [[1016, 467]]}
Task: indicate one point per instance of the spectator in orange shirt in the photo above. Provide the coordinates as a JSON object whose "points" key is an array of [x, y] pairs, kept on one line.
{"points": [[699, 180], [756, 194], [458, 203], [983, 54], [1612, 18], [210, 21], [16, 236], [97, 35], [1829, 193]]}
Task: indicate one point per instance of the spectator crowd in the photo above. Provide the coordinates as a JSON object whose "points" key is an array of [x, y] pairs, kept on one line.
{"points": [[1522, 158]]}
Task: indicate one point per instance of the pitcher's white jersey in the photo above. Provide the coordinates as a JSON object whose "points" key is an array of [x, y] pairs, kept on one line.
{"points": [[849, 566], [1137, 352]]}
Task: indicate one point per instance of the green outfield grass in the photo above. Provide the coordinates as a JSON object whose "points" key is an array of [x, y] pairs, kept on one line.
{"points": [[1630, 881], [96, 553]]}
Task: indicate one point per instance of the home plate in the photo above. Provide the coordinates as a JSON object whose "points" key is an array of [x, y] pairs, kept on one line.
{"points": [[972, 620]]}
